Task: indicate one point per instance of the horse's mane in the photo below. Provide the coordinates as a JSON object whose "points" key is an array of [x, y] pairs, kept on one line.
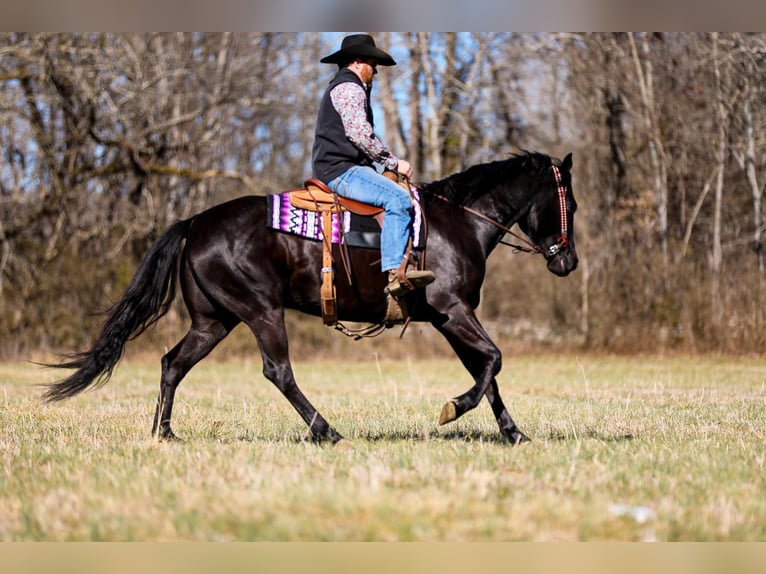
{"points": [[464, 187]]}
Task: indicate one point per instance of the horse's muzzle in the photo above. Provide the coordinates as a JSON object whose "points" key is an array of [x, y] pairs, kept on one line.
{"points": [[563, 262]]}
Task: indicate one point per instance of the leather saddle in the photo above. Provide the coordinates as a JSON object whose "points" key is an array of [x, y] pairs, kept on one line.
{"points": [[316, 196]]}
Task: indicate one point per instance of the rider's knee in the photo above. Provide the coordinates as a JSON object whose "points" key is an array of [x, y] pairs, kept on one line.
{"points": [[402, 202]]}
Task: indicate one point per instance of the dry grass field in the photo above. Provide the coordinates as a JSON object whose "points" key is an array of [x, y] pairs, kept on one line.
{"points": [[624, 449]]}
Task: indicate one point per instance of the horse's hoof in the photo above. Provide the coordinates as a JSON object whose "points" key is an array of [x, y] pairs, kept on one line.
{"points": [[332, 437], [517, 437], [448, 414], [168, 436]]}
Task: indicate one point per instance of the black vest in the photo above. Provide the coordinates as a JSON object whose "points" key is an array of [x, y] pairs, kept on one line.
{"points": [[333, 153]]}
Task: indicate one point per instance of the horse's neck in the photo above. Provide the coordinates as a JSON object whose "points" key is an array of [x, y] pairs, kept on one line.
{"points": [[506, 203]]}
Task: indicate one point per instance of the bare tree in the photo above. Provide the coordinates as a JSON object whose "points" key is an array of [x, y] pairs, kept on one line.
{"points": [[751, 65], [106, 138], [111, 136], [645, 80]]}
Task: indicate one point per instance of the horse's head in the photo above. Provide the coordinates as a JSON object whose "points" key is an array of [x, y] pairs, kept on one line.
{"points": [[549, 222]]}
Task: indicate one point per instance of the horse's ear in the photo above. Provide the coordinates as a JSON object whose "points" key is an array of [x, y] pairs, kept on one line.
{"points": [[567, 163]]}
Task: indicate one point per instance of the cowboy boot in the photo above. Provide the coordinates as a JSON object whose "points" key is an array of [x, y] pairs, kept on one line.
{"points": [[412, 279]]}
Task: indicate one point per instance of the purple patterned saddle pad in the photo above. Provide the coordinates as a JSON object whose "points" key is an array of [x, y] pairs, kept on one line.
{"points": [[358, 230]]}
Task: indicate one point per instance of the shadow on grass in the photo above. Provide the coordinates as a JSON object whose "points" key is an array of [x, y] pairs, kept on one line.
{"points": [[434, 435], [414, 435], [418, 435], [561, 436], [485, 436]]}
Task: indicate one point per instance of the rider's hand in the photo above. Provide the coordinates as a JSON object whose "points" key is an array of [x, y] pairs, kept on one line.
{"points": [[404, 168]]}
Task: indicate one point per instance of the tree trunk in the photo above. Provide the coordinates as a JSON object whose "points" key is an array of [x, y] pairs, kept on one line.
{"points": [[752, 177], [645, 76], [717, 255]]}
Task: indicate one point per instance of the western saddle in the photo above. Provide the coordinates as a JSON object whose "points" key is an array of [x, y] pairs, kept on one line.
{"points": [[316, 196]]}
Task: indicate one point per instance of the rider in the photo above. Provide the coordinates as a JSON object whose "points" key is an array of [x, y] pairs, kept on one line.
{"points": [[346, 149]]}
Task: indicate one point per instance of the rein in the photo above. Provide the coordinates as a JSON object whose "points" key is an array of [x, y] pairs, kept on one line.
{"points": [[528, 246]]}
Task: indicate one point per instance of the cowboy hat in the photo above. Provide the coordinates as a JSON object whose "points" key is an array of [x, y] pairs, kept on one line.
{"points": [[358, 46]]}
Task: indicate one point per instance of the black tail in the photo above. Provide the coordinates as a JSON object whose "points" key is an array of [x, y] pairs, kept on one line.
{"points": [[147, 298]]}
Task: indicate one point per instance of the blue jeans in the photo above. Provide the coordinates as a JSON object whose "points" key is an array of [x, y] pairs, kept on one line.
{"points": [[368, 186]]}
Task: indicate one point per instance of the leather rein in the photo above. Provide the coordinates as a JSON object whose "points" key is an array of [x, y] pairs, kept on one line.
{"points": [[527, 245]]}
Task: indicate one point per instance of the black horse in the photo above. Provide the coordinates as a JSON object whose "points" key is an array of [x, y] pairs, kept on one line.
{"points": [[234, 269]]}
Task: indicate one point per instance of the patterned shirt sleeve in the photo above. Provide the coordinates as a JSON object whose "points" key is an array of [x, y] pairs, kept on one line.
{"points": [[349, 101]]}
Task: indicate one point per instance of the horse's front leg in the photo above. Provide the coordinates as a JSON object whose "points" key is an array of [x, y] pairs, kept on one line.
{"points": [[506, 424], [508, 428], [483, 360]]}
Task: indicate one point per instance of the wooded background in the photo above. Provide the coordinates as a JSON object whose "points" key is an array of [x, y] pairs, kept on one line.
{"points": [[108, 138]]}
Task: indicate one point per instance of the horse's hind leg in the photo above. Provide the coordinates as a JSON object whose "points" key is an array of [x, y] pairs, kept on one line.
{"points": [[198, 342], [269, 330]]}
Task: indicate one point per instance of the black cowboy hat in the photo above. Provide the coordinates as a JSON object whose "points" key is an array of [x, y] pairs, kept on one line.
{"points": [[358, 46]]}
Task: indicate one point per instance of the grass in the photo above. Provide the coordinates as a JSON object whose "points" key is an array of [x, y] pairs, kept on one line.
{"points": [[624, 448]]}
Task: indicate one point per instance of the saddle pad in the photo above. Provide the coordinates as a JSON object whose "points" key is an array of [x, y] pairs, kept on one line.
{"points": [[359, 230], [282, 216]]}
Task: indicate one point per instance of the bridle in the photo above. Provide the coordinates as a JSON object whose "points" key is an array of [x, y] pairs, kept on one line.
{"points": [[528, 246], [561, 191]]}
